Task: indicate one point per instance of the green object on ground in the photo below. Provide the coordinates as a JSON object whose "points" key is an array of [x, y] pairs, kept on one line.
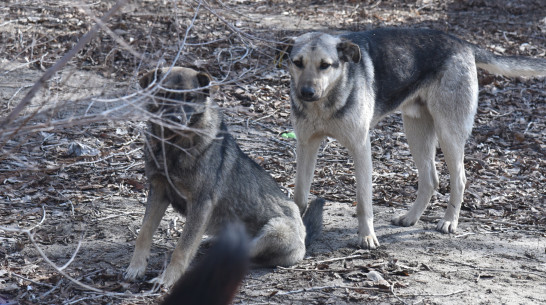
{"points": [[288, 135]]}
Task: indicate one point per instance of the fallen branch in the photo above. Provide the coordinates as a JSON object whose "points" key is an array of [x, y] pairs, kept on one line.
{"points": [[310, 289], [52, 289], [484, 220], [29, 280], [317, 270], [119, 215], [340, 258], [57, 66], [30, 235], [473, 268], [432, 295]]}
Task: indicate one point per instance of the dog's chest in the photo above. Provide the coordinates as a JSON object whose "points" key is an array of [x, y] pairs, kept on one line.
{"points": [[174, 161], [322, 121]]}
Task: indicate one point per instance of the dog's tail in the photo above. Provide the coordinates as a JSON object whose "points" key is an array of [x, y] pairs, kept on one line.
{"points": [[216, 278], [509, 65], [312, 219]]}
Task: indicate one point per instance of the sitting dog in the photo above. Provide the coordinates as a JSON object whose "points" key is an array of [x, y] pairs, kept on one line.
{"points": [[193, 163], [342, 85]]}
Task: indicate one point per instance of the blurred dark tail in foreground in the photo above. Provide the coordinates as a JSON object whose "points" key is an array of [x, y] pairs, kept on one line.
{"points": [[216, 278], [312, 219]]}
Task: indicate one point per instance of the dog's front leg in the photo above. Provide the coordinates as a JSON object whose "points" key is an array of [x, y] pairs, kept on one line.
{"points": [[156, 205], [306, 157], [364, 211], [196, 223]]}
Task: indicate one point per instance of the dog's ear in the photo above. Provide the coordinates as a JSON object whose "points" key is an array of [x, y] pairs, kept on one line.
{"points": [[348, 51], [283, 50], [149, 77], [204, 80]]}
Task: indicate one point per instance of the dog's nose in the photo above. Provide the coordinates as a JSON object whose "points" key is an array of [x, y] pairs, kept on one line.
{"points": [[307, 93], [177, 118]]}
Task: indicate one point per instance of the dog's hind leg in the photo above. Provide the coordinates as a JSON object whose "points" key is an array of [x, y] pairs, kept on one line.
{"points": [[453, 120], [306, 157], [155, 209], [422, 142], [453, 149]]}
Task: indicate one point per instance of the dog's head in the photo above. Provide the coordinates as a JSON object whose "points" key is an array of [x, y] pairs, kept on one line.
{"points": [[316, 62], [180, 95]]}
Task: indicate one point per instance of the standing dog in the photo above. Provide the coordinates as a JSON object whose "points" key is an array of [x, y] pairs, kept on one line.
{"points": [[341, 86], [193, 163]]}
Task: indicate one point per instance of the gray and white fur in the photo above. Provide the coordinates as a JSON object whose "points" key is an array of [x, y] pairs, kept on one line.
{"points": [[194, 164], [342, 85]]}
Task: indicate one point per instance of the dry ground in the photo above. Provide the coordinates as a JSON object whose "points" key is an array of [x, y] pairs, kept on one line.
{"points": [[94, 198]]}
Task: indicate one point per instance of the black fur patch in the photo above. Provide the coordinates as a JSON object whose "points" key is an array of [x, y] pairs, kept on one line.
{"points": [[404, 60]]}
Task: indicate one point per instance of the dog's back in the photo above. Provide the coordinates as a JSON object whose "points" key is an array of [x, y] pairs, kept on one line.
{"points": [[405, 59]]}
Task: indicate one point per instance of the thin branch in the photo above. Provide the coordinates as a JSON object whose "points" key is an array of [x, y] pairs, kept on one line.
{"points": [[503, 270], [29, 280], [317, 270], [340, 258], [486, 220], [310, 289], [52, 289], [73, 254], [60, 270], [58, 65], [432, 295], [119, 215], [114, 36]]}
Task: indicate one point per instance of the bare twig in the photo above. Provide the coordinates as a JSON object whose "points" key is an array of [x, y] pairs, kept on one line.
{"points": [[310, 289], [317, 270], [432, 295], [503, 270], [486, 220], [119, 215], [52, 289], [114, 36], [340, 258], [30, 280], [73, 254], [57, 66], [30, 235]]}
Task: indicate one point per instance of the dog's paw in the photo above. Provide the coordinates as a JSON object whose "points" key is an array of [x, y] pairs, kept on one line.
{"points": [[133, 273], [167, 279], [368, 242], [447, 226], [156, 281], [404, 220]]}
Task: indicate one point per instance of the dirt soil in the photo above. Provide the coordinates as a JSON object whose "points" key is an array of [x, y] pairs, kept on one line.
{"points": [[75, 154]]}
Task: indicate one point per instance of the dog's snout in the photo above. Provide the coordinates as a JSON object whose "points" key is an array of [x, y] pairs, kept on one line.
{"points": [[178, 114], [308, 93], [176, 117]]}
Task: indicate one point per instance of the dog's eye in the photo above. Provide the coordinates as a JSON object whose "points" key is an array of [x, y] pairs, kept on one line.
{"points": [[189, 98], [325, 65], [298, 63]]}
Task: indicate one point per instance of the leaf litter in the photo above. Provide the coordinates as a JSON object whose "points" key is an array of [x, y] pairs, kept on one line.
{"points": [[498, 255]]}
